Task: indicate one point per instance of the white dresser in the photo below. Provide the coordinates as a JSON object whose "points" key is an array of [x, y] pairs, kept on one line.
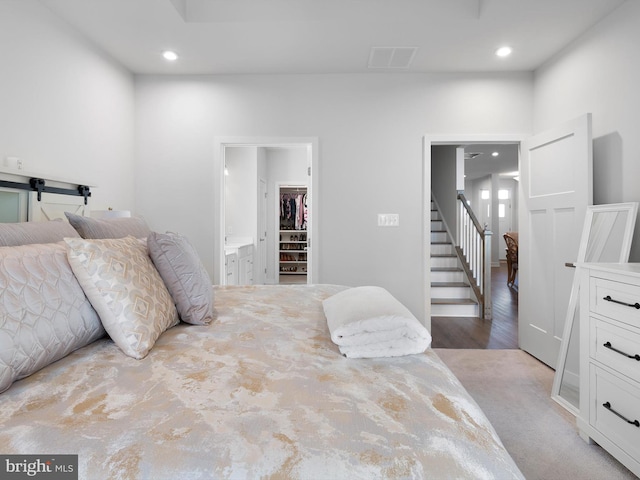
{"points": [[610, 359]]}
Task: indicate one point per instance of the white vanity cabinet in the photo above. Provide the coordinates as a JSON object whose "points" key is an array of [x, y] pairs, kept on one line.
{"points": [[245, 265], [609, 412], [231, 267], [239, 262]]}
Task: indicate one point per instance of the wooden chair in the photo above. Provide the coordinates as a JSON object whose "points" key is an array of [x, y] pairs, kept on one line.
{"points": [[511, 239]]}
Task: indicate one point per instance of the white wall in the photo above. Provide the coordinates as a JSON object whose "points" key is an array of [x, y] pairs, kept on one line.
{"points": [[65, 108], [241, 192], [444, 184], [370, 130], [600, 74]]}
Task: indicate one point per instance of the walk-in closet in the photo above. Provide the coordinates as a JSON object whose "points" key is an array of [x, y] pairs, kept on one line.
{"points": [[292, 264]]}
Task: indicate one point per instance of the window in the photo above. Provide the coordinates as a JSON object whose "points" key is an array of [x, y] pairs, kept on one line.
{"points": [[503, 194]]}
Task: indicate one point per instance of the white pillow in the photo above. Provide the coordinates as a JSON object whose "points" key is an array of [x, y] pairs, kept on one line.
{"points": [[125, 289]]}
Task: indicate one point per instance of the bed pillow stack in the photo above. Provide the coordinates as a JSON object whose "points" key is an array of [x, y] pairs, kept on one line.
{"points": [[63, 285], [174, 277]]}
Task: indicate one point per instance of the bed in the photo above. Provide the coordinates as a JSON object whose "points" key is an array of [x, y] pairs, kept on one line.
{"points": [[261, 391]]}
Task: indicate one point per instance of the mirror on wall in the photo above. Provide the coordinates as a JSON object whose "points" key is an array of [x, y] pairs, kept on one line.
{"points": [[606, 238]]}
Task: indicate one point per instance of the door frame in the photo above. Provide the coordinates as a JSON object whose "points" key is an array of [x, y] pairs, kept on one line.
{"points": [[263, 233], [428, 141], [219, 145]]}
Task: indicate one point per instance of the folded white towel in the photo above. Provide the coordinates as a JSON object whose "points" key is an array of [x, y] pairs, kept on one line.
{"points": [[370, 322], [392, 348]]}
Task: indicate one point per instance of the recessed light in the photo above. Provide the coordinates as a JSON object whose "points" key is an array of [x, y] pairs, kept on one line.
{"points": [[495, 154], [170, 55], [504, 51]]}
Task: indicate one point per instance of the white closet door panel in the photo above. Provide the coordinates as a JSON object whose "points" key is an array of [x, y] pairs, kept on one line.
{"points": [[53, 205]]}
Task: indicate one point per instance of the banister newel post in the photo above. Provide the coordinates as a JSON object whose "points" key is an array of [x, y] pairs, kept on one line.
{"points": [[487, 313]]}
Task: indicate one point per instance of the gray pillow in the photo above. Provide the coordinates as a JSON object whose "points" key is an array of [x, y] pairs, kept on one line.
{"points": [[46, 315], [184, 275], [99, 228], [14, 234]]}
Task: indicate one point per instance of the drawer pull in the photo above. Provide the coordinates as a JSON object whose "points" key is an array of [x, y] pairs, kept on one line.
{"points": [[607, 405], [634, 305], [608, 345]]}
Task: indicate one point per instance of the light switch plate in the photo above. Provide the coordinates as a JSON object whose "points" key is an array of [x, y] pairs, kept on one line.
{"points": [[388, 220]]}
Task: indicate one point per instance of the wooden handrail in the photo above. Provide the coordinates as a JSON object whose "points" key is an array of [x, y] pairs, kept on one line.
{"points": [[472, 215], [473, 247]]}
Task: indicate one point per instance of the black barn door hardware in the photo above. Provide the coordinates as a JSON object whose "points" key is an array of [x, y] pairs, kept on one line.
{"points": [[38, 185]]}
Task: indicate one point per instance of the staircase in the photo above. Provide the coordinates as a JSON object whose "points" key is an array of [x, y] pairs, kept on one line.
{"points": [[451, 295]]}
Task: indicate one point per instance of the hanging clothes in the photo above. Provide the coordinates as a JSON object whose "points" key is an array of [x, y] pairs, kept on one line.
{"points": [[293, 211]]}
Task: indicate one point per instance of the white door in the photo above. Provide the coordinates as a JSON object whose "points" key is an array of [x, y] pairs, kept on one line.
{"points": [[505, 219], [260, 271], [556, 182], [53, 205]]}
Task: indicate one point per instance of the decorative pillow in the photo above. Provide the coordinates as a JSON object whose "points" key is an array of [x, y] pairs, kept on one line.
{"points": [[14, 234], [126, 290], [45, 313], [184, 275], [97, 228]]}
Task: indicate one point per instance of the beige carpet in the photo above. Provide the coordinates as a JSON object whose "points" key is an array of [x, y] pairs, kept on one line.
{"points": [[513, 389]]}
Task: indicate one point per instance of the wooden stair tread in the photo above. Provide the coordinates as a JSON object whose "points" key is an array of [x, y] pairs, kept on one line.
{"points": [[453, 301]]}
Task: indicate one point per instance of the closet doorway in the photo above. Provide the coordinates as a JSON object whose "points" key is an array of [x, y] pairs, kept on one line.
{"points": [[250, 173], [292, 251]]}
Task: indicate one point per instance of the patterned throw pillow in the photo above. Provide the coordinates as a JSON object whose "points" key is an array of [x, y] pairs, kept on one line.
{"points": [[125, 289], [184, 275], [44, 314]]}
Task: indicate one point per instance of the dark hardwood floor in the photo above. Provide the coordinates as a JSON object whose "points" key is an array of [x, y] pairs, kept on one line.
{"points": [[472, 332]]}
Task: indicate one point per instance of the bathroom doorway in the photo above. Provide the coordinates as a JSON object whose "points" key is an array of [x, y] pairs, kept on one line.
{"points": [[251, 171]]}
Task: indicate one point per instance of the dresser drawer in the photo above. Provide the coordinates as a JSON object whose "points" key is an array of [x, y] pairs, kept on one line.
{"points": [[610, 394], [615, 300], [616, 347]]}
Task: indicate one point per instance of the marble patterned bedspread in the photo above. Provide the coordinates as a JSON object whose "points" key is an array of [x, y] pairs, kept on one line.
{"points": [[262, 392]]}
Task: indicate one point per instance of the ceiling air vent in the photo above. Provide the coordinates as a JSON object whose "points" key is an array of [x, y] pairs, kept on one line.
{"points": [[391, 57]]}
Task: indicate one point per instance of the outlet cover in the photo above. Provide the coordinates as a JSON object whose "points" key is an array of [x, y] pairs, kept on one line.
{"points": [[388, 220]]}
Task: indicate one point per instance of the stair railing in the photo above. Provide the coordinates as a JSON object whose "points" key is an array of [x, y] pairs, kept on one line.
{"points": [[473, 247]]}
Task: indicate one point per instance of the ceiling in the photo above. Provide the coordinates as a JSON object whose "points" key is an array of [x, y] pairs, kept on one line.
{"points": [[484, 163], [329, 36]]}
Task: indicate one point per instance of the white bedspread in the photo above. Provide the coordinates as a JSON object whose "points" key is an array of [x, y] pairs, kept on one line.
{"points": [[260, 393]]}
